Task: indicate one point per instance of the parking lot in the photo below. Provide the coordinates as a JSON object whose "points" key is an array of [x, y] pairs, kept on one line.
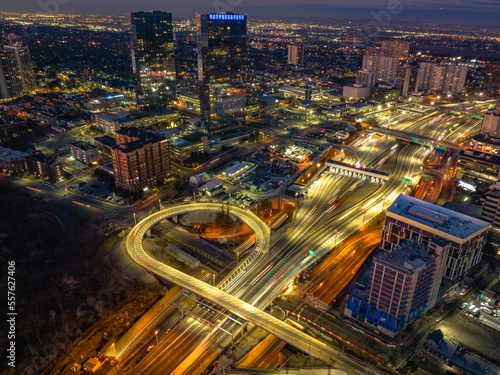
{"points": [[99, 189], [262, 183], [467, 326]]}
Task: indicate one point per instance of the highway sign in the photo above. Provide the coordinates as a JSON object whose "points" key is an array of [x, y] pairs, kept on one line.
{"points": [[407, 180], [312, 253]]}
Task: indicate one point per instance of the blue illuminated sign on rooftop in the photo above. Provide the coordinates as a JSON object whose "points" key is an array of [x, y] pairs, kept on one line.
{"points": [[226, 17]]}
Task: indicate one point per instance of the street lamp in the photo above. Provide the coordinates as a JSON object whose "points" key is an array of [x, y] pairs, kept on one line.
{"points": [[156, 334]]}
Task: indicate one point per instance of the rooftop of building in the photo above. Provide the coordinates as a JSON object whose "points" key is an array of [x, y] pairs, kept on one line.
{"points": [[113, 116], [40, 157], [493, 112], [83, 145], [232, 134], [480, 156], [144, 138], [268, 99], [459, 355], [171, 132], [442, 219], [440, 344], [7, 153], [211, 184], [237, 168], [106, 140], [359, 105], [485, 138], [361, 288], [407, 257]]}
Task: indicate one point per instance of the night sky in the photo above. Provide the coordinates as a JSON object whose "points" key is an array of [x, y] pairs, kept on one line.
{"points": [[481, 12]]}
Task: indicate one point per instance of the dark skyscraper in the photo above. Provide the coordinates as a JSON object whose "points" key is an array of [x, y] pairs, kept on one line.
{"points": [[222, 59], [152, 43], [16, 69]]}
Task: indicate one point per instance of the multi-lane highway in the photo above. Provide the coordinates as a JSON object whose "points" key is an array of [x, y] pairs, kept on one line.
{"points": [[243, 309], [336, 207]]}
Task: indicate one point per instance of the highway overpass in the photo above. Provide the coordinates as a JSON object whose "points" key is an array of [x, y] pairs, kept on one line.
{"points": [[410, 137], [376, 176], [250, 313]]}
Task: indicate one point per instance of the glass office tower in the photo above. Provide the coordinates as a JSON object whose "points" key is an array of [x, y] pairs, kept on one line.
{"points": [[222, 59], [153, 63]]}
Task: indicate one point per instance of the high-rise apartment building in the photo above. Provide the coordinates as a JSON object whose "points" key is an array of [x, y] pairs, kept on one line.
{"points": [[365, 78], [153, 62], [450, 78], [383, 67], [296, 54], [491, 208], [491, 123], [400, 285], [413, 219], [396, 48], [16, 69], [425, 76], [222, 68], [140, 159], [407, 78], [441, 78]]}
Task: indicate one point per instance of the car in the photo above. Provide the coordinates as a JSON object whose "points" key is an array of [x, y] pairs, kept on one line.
{"points": [[149, 348], [463, 305]]}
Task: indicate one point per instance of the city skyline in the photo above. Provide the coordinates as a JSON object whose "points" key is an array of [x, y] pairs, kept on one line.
{"points": [[202, 195], [446, 12]]}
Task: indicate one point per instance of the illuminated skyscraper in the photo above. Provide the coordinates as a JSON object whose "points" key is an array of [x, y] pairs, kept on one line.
{"points": [[441, 78], [16, 69], [222, 68], [152, 44], [383, 67], [296, 54]]}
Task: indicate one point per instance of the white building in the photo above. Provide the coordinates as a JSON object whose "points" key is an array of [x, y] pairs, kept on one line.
{"points": [[410, 218], [84, 152], [491, 123], [443, 78], [383, 67], [296, 54], [239, 171], [109, 123]]}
